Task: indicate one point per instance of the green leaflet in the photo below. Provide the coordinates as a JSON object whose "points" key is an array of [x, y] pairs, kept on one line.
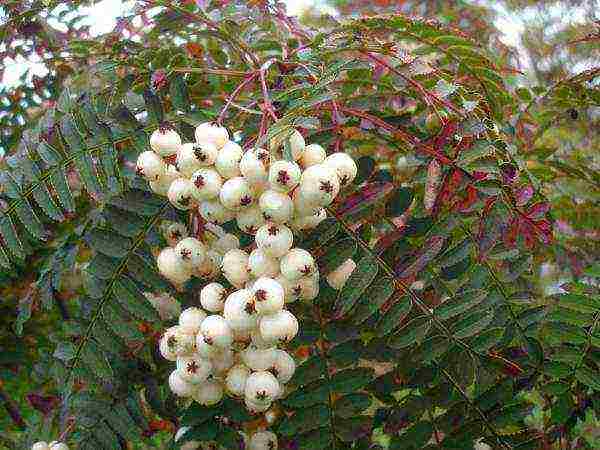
{"points": [[473, 324], [459, 304], [131, 299], [379, 293], [336, 254], [359, 281], [413, 331]]}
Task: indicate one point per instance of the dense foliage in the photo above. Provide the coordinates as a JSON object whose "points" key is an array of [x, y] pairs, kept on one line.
{"points": [[444, 335]]}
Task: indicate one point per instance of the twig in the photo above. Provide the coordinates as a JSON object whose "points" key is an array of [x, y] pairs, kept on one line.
{"points": [[234, 94], [12, 409]]}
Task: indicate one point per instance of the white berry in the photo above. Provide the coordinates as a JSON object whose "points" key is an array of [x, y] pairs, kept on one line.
{"points": [[186, 161], [306, 223], [263, 440], [258, 358], [276, 206], [216, 331], [240, 311], [180, 193], [268, 295], [212, 297], [204, 349], [256, 407], [259, 343], [214, 211], [193, 369], [211, 267], [166, 350], [222, 361], [150, 166], [284, 366], [295, 141], [312, 155], [207, 184], [281, 326], [319, 185], [179, 386], [262, 265], [209, 132], [163, 183], [174, 232], [262, 386], [250, 219], [284, 175], [344, 166], [165, 141], [169, 266], [228, 160], [40, 446], [236, 194], [191, 251], [225, 243], [337, 279], [254, 166], [192, 318], [235, 382], [297, 263], [275, 240], [209, 393], [59, 446], [235, 267]]}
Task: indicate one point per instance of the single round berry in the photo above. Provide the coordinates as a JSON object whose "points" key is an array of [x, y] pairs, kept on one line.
{"points": [[209, 393], [222, 361], [292, 288], [283, 367], [280, 327], [337, 278], [225, 243], [167, 346], [40, 446], [206, 153], [241, 336], [150, 166], [262, 265], [262, 386], [297, 263], [209, 132], [216, 331], [275, 240], [179, 386], [235, 382], [268, 295], [263, 440], [163, 183], [308, 286], [213, 211], [240, 311], [344, 166], [250, 219], [235, 267], [294, 141], [180, 193], [276, 206], [310, 222], [228, 160], [212, 297], [170, 267], [204, 349], [194, 369], [166, 306], [58, 446], [174, 232], [302, 206], [258, 359], [165, 141], [319, 185], [207, 184], [236, 194], [312, 155], [178, 341], [186, 161], [211, 267], [254, 166], [191, 252], [284, 175], [259, 343], [192, 318]]}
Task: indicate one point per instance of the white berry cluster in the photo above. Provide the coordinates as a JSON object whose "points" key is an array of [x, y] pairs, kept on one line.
{"points": [[260, 440], [223, 182], [54, 445]]}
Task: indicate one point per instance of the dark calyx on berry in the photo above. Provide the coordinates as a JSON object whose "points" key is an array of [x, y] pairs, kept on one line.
{"points": [[163, 127], [245, 200], [186, 253], [250, 308], [260, 295], [192, 367], [199, 181], [283, 177], [273, 231], [326, 186]]}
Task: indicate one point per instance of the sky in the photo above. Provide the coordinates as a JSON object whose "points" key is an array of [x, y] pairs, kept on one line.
{"points": [[102, 18]]}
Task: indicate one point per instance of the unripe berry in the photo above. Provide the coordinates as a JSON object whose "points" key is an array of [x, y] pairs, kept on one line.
{"points": [[228, 160], [344, 166], [193, 369], [254, 166], [262, 265], [204, 349], [312, 155], [337, 279], [284, 175], [283, 367], [262, 387], [240, 311], [191, 252], [179, 386], [276, 206], [207, 184], [225, 243], [307, 223], [174, 232], [263, 440], [222, 361], [235, 382], [235, 267], [275, 240], [170, 267], [268, 295], [250, 219], [180, 193], [236, 194], [281, 326], [216, 331], [209, 393], [165, 141], [212, 297], [257, 358], [191, 318], [214, 211], [319, 185], [297, 263], [150, 166], [209, 132], [40, 446], [162, 185]]}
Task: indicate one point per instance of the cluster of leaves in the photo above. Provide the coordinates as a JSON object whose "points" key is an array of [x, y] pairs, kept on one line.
{"points": [[439, 337]]}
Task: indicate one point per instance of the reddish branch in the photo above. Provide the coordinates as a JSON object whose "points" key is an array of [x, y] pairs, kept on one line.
{"points": [[234, 95]]}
